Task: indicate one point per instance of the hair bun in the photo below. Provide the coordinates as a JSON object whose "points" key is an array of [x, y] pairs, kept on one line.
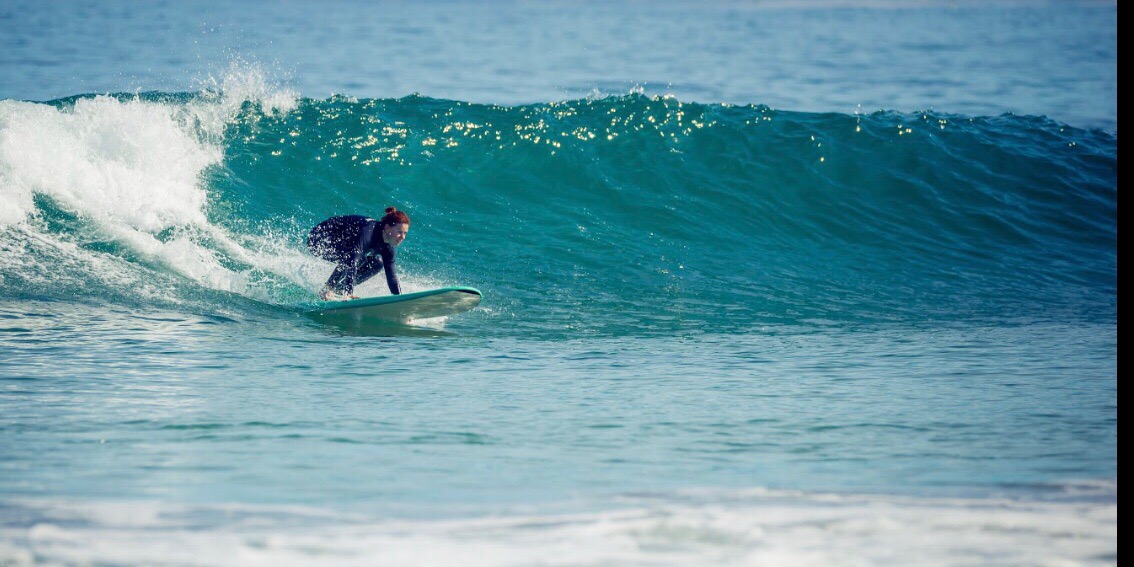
{"points": [[394, 216]]}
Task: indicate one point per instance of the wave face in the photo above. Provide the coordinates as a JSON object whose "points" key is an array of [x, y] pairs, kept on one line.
{"points": [[619, 215]]}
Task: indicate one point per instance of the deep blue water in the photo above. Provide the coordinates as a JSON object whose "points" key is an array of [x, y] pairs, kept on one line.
{"points": [[764, 284]]}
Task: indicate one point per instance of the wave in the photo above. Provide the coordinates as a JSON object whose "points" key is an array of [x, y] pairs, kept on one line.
{"points": [[614, 214]]}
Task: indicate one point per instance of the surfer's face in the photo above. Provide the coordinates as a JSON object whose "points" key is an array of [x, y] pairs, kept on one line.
{"points": [[394, 234]]}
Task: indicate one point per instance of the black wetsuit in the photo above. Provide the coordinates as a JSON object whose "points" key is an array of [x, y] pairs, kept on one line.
{"points": [[354, 242]]}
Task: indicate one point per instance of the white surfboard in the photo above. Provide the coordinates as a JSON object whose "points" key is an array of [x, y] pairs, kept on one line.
{"points": [[403, 308]]}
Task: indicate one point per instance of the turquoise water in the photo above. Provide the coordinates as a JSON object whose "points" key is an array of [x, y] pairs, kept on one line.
{"points": [[718, 327]]}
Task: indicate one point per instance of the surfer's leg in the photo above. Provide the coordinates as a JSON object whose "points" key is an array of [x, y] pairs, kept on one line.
{"points": [[338, 280], [369, 268]]}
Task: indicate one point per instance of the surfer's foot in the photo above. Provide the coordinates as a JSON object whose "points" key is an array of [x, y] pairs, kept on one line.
{"points": [[330, 295]]}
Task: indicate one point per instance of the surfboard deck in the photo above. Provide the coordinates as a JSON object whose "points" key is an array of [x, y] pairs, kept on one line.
{"points": [[440, 302]]}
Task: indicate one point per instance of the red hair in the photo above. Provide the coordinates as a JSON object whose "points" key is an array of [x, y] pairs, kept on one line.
{"points": [[394, 216]]}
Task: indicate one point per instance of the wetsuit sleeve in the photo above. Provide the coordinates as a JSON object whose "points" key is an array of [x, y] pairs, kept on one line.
{"points": [[391, 271]]}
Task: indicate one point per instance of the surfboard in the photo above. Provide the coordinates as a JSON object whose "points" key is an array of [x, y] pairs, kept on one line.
{"points": [[440, 302]]}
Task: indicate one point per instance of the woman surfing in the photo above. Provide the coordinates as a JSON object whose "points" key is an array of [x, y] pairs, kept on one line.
{"points": [[360, 247]]}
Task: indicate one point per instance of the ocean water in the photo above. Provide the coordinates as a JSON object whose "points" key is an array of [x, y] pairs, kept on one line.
{"points": [[821, 283]]}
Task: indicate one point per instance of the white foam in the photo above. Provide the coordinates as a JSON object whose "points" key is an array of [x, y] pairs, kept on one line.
{"points": [[24, 251], [756, 527], [122, 163], [130, 169]]}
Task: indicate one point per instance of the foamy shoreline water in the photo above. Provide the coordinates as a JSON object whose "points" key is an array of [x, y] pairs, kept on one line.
{"points": [[752, 527]]}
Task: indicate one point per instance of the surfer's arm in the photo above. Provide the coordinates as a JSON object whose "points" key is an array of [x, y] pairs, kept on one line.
{"points": [[391, 271]]}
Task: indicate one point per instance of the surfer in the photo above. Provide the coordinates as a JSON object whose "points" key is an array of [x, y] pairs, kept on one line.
{"points": [[361, 247]]}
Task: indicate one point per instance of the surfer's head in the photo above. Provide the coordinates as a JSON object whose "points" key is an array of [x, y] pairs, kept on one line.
{"points": [[394, 225], [394, 216]]}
